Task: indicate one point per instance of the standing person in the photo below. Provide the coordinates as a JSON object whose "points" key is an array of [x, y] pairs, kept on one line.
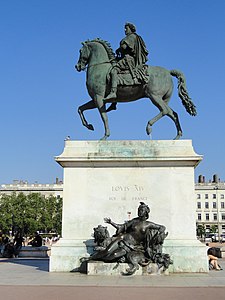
{"points": [[9, 250], [18, 242], [131, 57]]}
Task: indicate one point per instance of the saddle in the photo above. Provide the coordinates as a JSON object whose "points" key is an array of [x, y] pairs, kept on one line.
{"points": [[140, 76]]}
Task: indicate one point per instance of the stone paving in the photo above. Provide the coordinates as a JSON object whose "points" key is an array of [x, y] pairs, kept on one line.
{"points": [[30, 279], [35, 272]]}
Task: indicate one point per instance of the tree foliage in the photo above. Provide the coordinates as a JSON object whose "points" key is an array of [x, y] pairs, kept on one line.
{"points": [[200, 230], [30, 213]]}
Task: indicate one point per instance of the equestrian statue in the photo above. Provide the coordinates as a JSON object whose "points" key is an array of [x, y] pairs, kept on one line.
{"points": [[125, 77]]}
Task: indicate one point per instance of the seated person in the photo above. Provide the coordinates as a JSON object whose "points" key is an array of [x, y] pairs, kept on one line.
{"points": [[213, 255], [37, 240]]}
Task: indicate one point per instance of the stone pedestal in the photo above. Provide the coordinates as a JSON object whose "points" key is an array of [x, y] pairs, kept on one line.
{"points": [[110, 178]]}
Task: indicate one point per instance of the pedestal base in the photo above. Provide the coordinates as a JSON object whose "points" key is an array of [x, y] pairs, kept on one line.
{"points": [[188, 256], [114, 269], [66, 254]]}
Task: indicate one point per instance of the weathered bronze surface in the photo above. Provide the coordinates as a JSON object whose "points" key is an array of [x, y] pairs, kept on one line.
{"points": [[130, 61], [126, 78], [136, 242]]}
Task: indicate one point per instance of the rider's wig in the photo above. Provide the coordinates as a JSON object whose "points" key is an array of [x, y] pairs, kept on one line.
{"points": [[131, 26]]}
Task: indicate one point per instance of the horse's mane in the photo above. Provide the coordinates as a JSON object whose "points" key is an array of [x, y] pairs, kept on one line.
{"points": [[107, 47]]}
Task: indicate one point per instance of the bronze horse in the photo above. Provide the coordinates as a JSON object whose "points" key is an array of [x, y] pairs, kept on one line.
{"points": [[98, 55]]}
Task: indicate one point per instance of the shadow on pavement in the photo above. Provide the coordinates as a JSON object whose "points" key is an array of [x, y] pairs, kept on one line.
{"points": [[41, 264]]}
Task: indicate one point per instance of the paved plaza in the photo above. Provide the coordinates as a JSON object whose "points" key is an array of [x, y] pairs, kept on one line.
{"points": [[30, 279]]}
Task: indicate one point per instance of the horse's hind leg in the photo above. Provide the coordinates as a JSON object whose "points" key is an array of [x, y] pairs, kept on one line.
{"points": [[174, 117], [89, 105], [164, 110], [162, 106]]}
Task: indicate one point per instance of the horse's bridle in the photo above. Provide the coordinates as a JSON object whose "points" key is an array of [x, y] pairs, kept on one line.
{"points": [[85, 61]]}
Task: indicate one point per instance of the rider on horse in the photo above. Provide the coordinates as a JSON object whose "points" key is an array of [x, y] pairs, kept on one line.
{"points": [[131, 58], [98, 55]]}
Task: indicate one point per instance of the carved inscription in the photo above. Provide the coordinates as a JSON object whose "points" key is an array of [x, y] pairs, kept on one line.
{"points": [[120, 188], [124, 192]]}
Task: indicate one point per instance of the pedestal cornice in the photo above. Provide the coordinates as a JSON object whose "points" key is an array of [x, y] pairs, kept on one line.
{"points": [[128, 154]]}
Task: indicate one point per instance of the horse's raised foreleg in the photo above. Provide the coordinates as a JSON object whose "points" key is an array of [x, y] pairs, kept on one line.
{"points": [[89, 105], [102, 109], [152, 121]]}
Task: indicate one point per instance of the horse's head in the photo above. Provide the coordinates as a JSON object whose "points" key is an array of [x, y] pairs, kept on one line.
{"points": [[83, 59], [94, 52]]}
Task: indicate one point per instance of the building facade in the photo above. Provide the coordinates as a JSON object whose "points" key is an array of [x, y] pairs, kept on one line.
{"points": [[55, 189], [210, 206]]}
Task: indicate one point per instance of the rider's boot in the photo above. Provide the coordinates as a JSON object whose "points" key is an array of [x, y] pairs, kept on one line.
{"points": [[112, 107], [112, 94]]}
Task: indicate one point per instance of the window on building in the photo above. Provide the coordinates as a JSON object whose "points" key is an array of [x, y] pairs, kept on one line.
{"points": [[215, 217], [223, 227], [198, 196], [206, 196], [214, 196], [206, 205], [199, 217], [222, 196], [223, 217], [199, 205], [214, 204], [222, 205], [207, 226], [207, 217]]}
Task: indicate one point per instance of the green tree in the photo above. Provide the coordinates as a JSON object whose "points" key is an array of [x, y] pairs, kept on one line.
{"points": [[201, 230], [213, 228], [30, 213]]}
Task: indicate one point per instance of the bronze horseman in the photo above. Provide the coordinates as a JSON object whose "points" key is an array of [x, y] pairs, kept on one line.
{"points": [[131, 58], [126, 78]]}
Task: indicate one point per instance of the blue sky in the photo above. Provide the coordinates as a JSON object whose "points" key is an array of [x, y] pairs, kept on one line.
{"points": [[41, 91]]}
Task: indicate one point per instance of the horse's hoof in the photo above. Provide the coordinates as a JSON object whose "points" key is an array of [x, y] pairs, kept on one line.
{"points": [[179, 135], [148, 129], [104, 138], [90, 127]]}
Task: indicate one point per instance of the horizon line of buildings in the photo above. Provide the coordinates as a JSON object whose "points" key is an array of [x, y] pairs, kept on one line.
{"points": [[54, 189]]}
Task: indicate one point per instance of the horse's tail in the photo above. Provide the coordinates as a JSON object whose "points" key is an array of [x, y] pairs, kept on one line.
{"points": [[183, 93]]}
